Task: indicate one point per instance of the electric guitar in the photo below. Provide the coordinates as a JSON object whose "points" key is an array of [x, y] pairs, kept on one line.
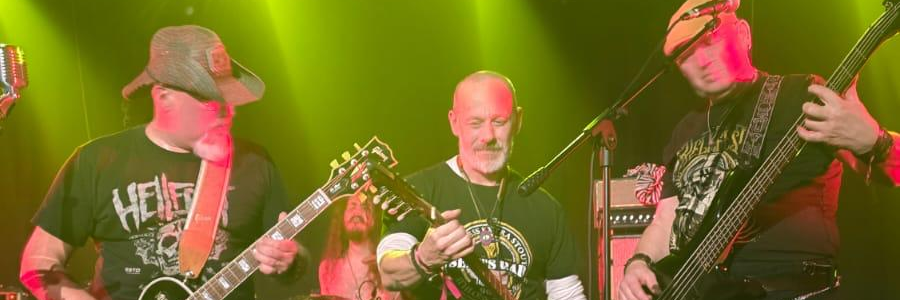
{"points": [[347, 178], [398, 198], [679, 275]]}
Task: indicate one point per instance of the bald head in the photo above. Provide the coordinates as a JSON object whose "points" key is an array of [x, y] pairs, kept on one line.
{"points": [[484, 85]]}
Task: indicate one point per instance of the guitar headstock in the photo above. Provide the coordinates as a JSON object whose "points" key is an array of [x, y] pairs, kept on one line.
{"points": [[352, 174], [398, 198]]}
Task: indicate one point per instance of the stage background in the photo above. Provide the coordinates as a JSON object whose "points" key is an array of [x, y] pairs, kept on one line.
{"points": [[338, 72]]}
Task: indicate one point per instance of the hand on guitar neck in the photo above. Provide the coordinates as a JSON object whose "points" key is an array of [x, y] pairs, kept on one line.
{"points": [[276, 257], [840, 121], [445, 243], [441, 244]]}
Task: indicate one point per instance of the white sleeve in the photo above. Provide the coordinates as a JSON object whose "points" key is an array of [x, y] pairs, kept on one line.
{"points": [[394, 241], [568, 288]]}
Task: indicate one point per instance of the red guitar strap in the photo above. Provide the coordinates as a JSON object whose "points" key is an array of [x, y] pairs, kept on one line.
{"points": [[203, 219]]}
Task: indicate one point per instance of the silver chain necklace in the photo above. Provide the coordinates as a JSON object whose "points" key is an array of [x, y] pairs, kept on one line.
{"points": [[490, 237]]}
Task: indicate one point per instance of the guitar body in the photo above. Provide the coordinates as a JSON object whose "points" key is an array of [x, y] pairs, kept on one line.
{"points": [[165, 288]]}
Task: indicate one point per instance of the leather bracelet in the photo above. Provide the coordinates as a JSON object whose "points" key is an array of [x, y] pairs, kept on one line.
{"points": [[883, 145], [879, 152], [420, 266], [880, 149], [428, 269], [638, 257], [415, 261]]}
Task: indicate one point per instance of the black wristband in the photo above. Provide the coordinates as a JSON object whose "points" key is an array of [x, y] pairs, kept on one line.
{"points": [[881, 149], [638, 257], [883, 145]]}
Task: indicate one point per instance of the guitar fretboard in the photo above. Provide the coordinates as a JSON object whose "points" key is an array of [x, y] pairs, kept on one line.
{"points": [[242, 266]]}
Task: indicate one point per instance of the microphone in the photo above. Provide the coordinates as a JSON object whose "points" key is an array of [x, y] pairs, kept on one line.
{"points": [[710, 8], [12, 76], [13, 68]]}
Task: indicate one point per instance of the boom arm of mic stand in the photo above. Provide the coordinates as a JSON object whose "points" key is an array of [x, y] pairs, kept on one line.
{"points": [[600, 125], [533, 181], [619, 108]]}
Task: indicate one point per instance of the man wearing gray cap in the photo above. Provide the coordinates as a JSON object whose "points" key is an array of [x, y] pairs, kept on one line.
{"points": [[134, 192]]}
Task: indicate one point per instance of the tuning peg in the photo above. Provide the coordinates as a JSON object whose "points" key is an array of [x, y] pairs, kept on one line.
{"points": [[363, 197], [345, 155], [400, 206], [334, 164], [355, 145], [387, 203], [403, 215], [373, 189], [379, 196]]}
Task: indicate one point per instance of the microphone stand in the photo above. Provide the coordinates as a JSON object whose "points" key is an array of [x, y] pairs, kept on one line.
{"points": [[602, 125]]}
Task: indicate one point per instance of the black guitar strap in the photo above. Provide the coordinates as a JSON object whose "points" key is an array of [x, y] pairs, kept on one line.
{"points": [[752, 145]]}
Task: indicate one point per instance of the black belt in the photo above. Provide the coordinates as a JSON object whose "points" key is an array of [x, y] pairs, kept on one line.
{"points": [[815, 279]]}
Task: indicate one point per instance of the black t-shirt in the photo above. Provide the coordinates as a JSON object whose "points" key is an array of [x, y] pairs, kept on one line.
{"points": [[796, 218], [132, 198], [534, 238]]}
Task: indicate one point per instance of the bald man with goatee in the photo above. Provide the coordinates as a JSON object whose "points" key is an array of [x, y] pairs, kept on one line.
{"points": [[525, 241]]}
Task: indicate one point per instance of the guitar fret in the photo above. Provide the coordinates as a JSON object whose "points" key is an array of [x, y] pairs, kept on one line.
{"points": [[210, 293], [296, 220], [244, 266], [218, 293], [287, 229], [232, 271], [224, 283], [217, 287], [230, 275]]}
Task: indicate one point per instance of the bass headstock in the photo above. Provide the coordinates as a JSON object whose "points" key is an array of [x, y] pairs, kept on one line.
{"points": [[892, 10], [352, 174]]}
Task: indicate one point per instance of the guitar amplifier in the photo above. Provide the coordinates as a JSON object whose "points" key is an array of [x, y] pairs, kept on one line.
{"points": [[13, 296], [13, 293], [627, 220], [627, 216]]}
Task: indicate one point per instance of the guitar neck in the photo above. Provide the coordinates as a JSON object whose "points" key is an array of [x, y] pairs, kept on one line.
{"points": [[478, 267], [722, 233], [405, 198], [242, 266], [472, 260], [487, 277], [877, 33]]}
